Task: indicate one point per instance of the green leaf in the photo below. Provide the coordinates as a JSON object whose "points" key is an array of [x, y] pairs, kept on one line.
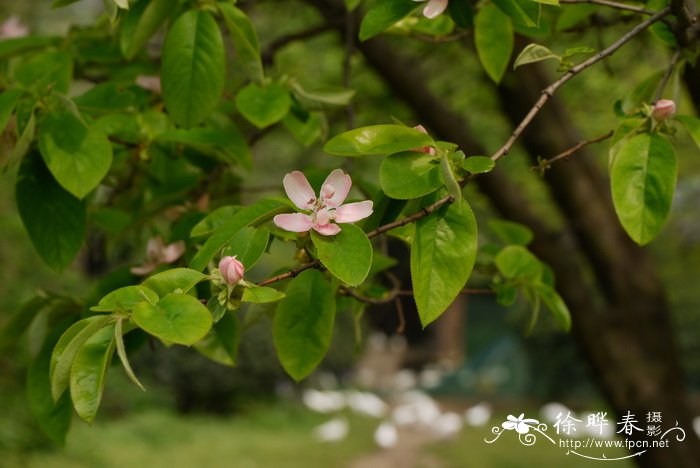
{"points": [[517, 263], [409, 175], [510, 232], [67, 348], [49, 70], [106, 97], [221, 343], [448, 177], [177, 318], [255, 214], [78, 156], [21, 45], [121, 351], [140, 23], [54, 418], [627, 129], [14, 326], [643, 181], [377, 139], [548, 2], [692, 125], [493, 36], [385, 14], [248, 245], [478, 164], [442, 257], [213, 220], [8, 101], [534, 53], [54, 219], [179, 280], [125, 299], [87, 375], [263, 105], [262, 295], [305, 129], [555, 304], [348, 254], [245, 40], [24, 143], [320, 98], [303, 323], [193, 68], [225, 143], [642, 94], [524, 13]]}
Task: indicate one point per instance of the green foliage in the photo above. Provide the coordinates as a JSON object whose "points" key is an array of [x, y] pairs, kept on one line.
{"points": [[125, 299], [177, 318], [643, 181], [478, 164], [692, 125], [193, 68], [54, 219], [493, 36], [245, 40], [348, 254], [177, 280], [383, 15], [262, 295], [248, 245], [377, 139], [442, 257], [140, 23], [409, 175], [263, 105], [303, 323], [87, 375]]}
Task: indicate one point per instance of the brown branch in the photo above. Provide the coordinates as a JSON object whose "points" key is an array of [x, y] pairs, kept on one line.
{"points": [[549, 91], [616, 5], [291, 273], [667, 76], [547, 163], [402, 318]]}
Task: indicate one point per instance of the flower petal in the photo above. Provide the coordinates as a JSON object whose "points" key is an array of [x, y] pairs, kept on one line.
{"points": [[299, 190], [353, 211], [294, 222], [143, 270], [341, 182], [173, 251], [434, 8], [509, 425], [327, 229]]}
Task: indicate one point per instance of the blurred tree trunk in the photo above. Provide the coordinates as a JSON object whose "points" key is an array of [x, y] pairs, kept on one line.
{"points": [[621, 318]]}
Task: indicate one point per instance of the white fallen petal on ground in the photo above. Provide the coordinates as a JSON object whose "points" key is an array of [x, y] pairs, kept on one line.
{"points": [[332, 431], [386, 435], [366, 403], [446, 425], [416, 409], [404, 380], [323, 401], [478, 415], [430, 377]]}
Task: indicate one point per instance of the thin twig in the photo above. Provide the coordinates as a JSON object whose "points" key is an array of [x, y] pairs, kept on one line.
{"points": [[463, 292], [549, 91], [667, 76], [393, 292], [547, 163], [291, 273], [616, 5]]}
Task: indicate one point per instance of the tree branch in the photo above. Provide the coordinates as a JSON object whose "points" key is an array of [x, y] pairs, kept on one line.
{"points": [[667, 76], [551, 89], [547, 163]]}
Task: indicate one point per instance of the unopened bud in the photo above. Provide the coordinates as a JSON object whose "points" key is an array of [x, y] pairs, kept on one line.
{"points": [[231, 270], [424, 149], [663, 109]]}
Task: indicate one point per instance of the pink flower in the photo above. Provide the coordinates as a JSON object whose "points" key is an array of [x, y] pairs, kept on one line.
{"points": [[434, 8], [325, 209], [663, 109], [424, 149], [12, 28], [157, 253], [231, 269]]}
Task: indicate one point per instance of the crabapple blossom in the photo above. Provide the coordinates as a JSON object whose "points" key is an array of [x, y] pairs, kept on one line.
{"points": [[663, 109], [231, 269], [323, 212], [434, 8]]}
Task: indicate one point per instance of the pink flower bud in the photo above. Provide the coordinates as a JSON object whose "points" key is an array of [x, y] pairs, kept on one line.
{"points": [[231, 269], [424, 149], [663, 109]]}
